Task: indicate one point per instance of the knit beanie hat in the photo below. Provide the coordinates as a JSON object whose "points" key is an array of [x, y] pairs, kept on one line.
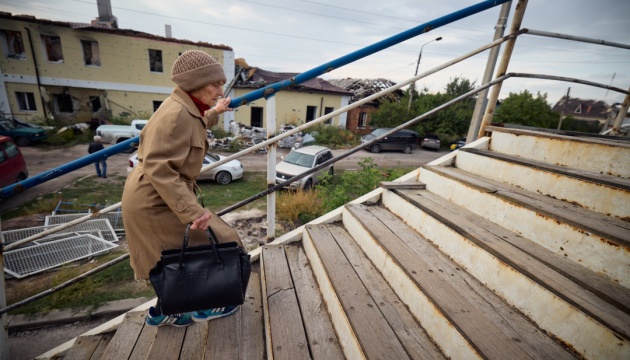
{"points": [[195, 69]]}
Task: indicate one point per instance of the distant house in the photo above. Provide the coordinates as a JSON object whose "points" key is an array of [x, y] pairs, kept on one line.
{"points": [[82, 70], [359, 118], [297, 104], [582, 109]]}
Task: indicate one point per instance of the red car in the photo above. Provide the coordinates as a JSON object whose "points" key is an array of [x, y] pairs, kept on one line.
{"points": [[12, 165]]}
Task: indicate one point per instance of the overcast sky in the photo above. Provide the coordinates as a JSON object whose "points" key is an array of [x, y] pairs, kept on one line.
{"points": [[298, 35]]}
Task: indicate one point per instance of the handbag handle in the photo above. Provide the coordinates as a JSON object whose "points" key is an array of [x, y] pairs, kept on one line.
{"points": [[213, 242]]}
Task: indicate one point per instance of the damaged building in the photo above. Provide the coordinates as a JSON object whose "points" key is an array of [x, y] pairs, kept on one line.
{"points": [[358, 119], [77, 71], [295, 105]]}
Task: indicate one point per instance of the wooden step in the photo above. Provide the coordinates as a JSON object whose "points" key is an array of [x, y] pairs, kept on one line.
{"points": [[582, 236], [368, 315], [605, 194], [453, 306], [600, 155], [89, 347], [297, 323]]}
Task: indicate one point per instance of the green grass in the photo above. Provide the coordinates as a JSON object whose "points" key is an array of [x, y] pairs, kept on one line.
{"points": [[218, 197]]}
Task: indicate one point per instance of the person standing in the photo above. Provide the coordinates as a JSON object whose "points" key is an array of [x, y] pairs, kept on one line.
{"points": [[159, 198], [94, 147]]}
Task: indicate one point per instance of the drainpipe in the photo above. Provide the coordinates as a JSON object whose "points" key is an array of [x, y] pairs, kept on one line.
{"points": [[39, 84]]}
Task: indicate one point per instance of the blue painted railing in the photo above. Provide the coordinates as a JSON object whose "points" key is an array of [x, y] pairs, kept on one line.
{"points": [[266, 91]]}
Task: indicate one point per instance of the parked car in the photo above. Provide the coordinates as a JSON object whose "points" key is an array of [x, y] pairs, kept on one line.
{"points": [[113, 134], [405, 140], [222, 174], [430, 141], [12, 165], [22, 135], [301, 160], [458, 143]]}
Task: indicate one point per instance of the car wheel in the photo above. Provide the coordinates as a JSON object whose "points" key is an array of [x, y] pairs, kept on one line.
{"points": [[21, 177], [22, 141], [408, 149], [376, 148], [308, 185], [223, 178], [331, 171]]}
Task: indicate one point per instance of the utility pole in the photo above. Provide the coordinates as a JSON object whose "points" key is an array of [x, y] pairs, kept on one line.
{"points": [[564, 108], [482, 98], [413, 85]]}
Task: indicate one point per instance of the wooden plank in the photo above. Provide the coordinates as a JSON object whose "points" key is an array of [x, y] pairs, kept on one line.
{"points": [[607, 227], [168, 343], [288, 337], [373, 332], [84, 347], [195, 342], [252, 345], [323, 341], [402, 185], [123, 342], [581, 137], [509, 248], [416, 341], [490, 325], [145, 340], [102, 345], [224, 337]]}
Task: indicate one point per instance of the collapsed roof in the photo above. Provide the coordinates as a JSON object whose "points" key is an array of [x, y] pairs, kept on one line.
{"points": [[362, 88]]}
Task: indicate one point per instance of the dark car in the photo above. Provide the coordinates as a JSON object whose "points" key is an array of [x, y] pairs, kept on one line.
{"points": [[430, 141], [405, 140], [22, 135], [458, 143]]}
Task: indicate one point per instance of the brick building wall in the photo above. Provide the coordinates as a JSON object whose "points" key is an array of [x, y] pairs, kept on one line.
{"points": [[354, 117]]}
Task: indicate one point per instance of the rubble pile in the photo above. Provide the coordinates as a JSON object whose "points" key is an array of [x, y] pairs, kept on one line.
{"points": [[294, 141], [362, 88]]}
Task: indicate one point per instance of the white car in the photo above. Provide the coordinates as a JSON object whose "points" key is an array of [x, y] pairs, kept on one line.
{"points": [[301, 160], [223, 174]]}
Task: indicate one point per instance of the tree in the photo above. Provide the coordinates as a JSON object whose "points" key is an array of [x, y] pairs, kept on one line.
{"points": [[525, 109]]}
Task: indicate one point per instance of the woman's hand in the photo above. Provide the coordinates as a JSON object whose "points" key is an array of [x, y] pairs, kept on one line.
{"points": [[223, 105], [203, 221]]}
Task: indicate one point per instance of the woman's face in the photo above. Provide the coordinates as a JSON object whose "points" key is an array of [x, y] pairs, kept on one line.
{"points": [[210, 93]]}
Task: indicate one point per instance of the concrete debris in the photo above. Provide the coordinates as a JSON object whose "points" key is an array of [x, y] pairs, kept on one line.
{"points": [[294, 141], [362, 88]]}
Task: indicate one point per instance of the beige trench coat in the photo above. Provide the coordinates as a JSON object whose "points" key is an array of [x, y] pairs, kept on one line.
{"points": [[159, 201]]}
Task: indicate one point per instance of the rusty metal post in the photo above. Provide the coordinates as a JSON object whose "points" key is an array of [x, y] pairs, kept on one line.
{"points": [[482, 98], [519, 12], [271, 167], [4, 336], [623, 112]]}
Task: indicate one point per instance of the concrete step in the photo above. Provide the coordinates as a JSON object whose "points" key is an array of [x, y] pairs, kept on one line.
{"points": [[597, 242]]}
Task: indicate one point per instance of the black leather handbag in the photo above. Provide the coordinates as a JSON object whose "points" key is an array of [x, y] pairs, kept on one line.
{"points": [[201, 277]]}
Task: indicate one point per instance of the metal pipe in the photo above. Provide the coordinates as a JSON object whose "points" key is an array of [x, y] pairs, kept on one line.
{"points": [[366, 51], [482, 99], [577, 38], [64, 285], [519, 12], [271, 167], [573, 80], [623, 111]]}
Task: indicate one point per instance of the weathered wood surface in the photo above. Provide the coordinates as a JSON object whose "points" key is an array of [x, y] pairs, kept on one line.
{"points": [[608, 227], [402, 185], [84, 347], [323, 341], [489, 324], [375, 335], [288, 337], [224, 337], [252, 333], [123, 342], [143, 345], [102, 345], [565, 135], [168, 343], [412, 336], [600, 298], [195, 342]]}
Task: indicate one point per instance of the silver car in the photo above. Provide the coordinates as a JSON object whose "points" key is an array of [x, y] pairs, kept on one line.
{"points": [[223, 174], [301, 160]]}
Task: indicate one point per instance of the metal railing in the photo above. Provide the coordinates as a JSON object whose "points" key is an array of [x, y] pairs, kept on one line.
{"points": [[270, 90]]}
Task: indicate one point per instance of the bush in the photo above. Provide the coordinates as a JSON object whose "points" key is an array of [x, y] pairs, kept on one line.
{"points": [[301, 205], [235, 146], [332, 136], [219, 133]]}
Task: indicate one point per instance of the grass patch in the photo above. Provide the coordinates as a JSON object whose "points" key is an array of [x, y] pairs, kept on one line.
{"points": [[218, 197], [333, 137], [298, 207]]}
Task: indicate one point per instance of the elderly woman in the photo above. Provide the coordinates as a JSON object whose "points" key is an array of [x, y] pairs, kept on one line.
{"points": [[159, 198]]}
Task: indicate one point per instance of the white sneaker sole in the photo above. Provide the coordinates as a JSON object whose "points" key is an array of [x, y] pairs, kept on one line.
{"points": [[195, 319]]}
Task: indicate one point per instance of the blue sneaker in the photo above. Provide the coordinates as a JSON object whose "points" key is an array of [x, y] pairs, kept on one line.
{"points": [[179, 320], [206, 315]]}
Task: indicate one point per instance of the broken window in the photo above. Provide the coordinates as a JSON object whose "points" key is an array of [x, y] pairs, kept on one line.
{"points": [[63, 103], [311, 113], [26, 101], [12, 44], [362, 120], [95, 103], [91, 53], [328, 110], [156, 105], [155, 60], [257, 116], [579, 109], [52, 48]]}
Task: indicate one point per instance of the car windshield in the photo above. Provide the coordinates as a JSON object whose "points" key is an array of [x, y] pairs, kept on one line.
{"points": [[379, 132], [213, 156], [7, 124], [300, 159]]}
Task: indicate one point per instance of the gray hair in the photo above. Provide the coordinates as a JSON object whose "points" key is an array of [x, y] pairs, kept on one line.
{"points": [[97, 138]]}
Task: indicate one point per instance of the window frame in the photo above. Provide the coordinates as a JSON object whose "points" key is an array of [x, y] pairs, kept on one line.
{"points": [[161, 61], [45, 49], [308, 113], [26, 100], [261, 111], [362, 119], [158, 103], [7, 47], [57, 104], [328, 110], [98, 52]]}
